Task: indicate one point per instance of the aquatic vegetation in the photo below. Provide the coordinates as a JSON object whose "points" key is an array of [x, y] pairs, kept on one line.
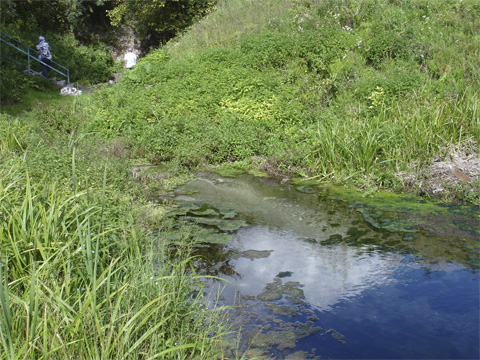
{"points": [[284, 336], [208, 236], [283, 274], [208, 225], [269, 295], [284, 310], [254, 254], [336, 335], [221, 224]]}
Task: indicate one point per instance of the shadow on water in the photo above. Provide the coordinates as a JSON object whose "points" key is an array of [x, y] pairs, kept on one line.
{"points": [[327, 273]]}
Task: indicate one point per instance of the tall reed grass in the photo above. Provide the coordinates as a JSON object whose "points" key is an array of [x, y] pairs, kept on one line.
{"points": [[407, 133], [77, 284]]}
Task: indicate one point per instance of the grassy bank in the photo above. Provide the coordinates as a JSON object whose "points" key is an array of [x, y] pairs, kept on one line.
{"points": [[82, 276], [353, 91]]}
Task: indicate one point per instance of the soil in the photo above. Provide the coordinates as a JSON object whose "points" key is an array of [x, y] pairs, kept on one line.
{"points": [[453, 176]]}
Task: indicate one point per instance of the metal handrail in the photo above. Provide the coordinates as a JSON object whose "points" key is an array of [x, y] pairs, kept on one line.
{"points": [[28, 51]]}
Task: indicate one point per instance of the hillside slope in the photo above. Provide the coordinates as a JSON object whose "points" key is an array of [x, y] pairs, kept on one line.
{"points": [[336, 90]]}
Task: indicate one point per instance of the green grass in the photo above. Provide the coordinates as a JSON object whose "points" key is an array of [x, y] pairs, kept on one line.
{"points": [[34, 91], [76, 283], [79, 274]]}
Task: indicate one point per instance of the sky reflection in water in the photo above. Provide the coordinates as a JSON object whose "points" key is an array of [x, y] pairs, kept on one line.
{"points": [[388, 303], [328, 274]]}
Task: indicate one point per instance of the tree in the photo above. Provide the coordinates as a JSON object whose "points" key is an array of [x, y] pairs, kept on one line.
{"points": [[157, 21]]}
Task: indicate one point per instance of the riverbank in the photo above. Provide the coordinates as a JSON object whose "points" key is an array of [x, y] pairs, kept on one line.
{"points": [[83, 274], [319, 90]]}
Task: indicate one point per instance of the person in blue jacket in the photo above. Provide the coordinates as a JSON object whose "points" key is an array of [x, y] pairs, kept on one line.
{"points": [[44, 54]]}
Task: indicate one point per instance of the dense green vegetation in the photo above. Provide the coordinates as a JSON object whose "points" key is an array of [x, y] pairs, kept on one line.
{"points": [[82, 34], [333, 90], [81, 273]]}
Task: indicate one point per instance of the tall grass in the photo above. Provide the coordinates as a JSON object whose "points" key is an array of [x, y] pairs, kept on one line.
{"points": [[77, 284], [228, 23], [398, 136]]}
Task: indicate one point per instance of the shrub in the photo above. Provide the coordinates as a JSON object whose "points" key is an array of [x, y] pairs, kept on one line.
{"points": [[267, 49]]}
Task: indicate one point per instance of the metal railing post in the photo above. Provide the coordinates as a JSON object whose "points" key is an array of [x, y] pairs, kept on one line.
{"points": [[28, 67]]}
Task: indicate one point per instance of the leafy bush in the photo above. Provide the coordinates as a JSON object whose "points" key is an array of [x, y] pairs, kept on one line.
{"points": [[12, 85], [267, 48], [86, 64]]}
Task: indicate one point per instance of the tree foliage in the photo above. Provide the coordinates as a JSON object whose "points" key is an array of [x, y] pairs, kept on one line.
{"points": [[154, 21], [57, 16], [157, 21]]}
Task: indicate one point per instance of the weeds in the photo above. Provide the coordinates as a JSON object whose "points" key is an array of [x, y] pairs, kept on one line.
{"points": [[344, 91]]}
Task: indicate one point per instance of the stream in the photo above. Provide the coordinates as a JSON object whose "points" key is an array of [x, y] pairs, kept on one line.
{"points": [[317, 273]]}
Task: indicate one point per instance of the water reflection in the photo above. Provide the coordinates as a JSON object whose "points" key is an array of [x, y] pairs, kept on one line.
{"points": [[328, 273], [337, 281]]}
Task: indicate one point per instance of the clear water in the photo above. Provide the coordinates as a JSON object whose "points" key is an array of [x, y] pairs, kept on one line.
{"points": [[344, 288]]}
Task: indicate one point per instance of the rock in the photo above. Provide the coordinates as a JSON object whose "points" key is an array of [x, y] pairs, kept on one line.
{"points": [[336, 335]]}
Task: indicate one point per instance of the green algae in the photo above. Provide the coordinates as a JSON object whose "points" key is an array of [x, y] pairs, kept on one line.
{"points": [[284, 340], [227, 213], [292, 291], [284, 310], [258, 354], [221, 224], [284, 336], [284, 274], [409, 237], [475, 246], [300, 355], [212, 237], [269, 295], [205, 212], [275, 291], [205, 223], [230, 173], [306, 189], [254, 254], [336, 335], [405, 213]]}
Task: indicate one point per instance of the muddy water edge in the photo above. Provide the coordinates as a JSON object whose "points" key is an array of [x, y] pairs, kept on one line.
{"points": [[322, 272]]}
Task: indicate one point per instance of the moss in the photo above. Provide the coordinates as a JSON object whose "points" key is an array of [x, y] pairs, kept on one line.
{"points": [[269, 295], [230, 173]]}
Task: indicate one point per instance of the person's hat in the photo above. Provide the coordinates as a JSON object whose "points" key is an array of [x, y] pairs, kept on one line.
{"points": [[41, 38]]}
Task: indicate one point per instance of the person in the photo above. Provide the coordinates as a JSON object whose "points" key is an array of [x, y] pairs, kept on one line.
{"points": [[130, 59], [44, 54]]}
